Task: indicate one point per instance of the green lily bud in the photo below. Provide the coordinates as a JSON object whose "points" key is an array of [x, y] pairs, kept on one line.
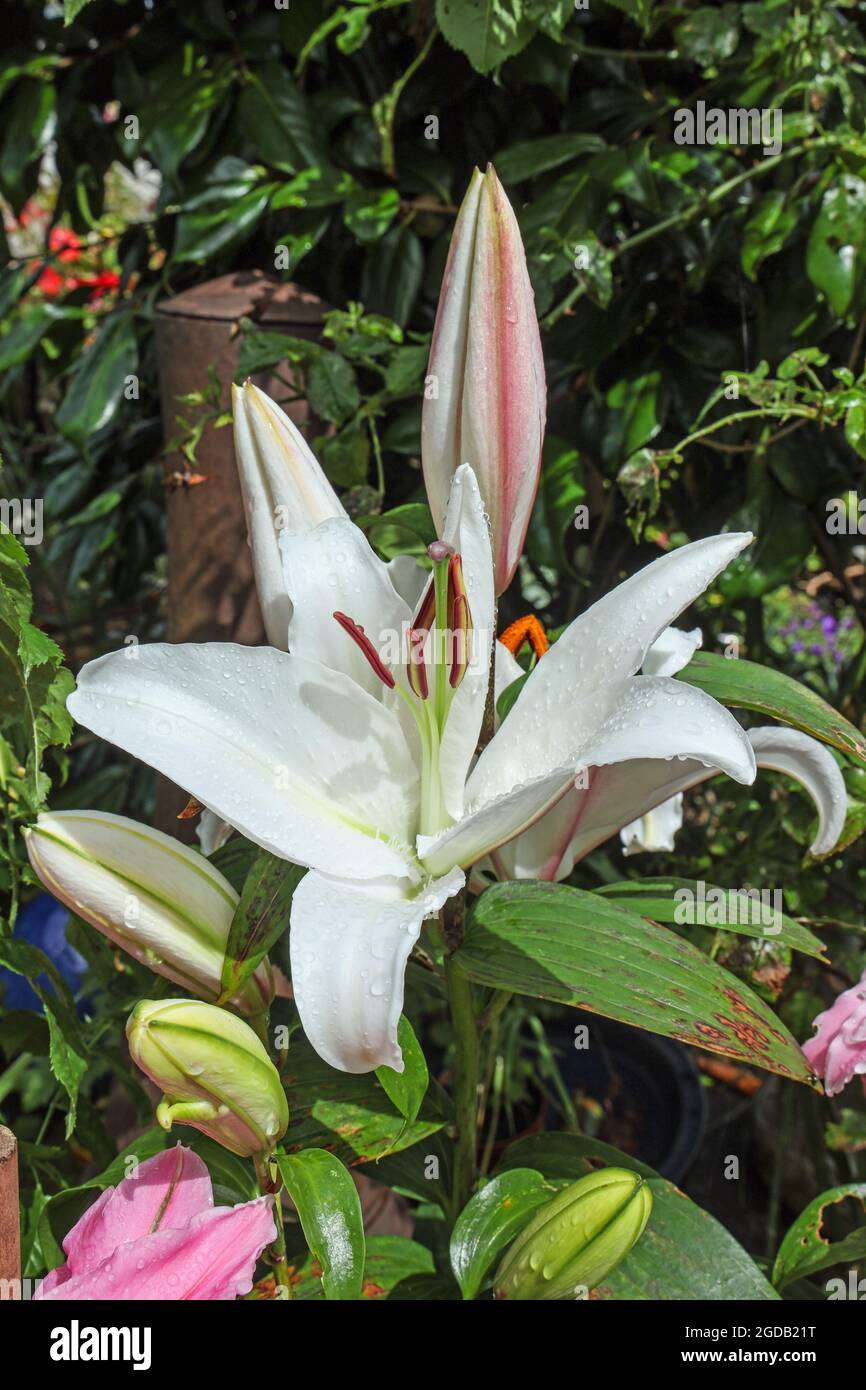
{"points": [[576, 1239], [158, 900], [214, 1071]]}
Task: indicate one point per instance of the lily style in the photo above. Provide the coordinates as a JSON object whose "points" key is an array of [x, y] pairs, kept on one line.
{"points": [[158, 1235], [365, 769]]}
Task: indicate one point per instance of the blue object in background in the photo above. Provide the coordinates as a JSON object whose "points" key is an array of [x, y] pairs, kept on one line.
{"points": [[42, 922]]}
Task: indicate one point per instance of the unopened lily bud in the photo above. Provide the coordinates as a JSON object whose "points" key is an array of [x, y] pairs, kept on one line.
{"points": [[284, 489], [214, 1071], [575, 1241], [486, 399], [158, 900]]}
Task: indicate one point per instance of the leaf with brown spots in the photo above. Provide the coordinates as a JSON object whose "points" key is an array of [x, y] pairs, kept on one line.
{"points": [[554, 942]]}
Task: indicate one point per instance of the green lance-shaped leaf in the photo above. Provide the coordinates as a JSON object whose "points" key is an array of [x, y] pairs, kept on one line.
{"points": [[352, 1115], [560, 943], [68, 1051], [95, 393], [805, 1249], [261, 917], [656, 898], [330, 1213], [746, 685], [408, 1088]]}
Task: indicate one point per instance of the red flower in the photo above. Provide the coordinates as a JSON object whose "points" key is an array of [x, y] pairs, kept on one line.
{"points": [[99, 284], [66, 242], [50, 282]]}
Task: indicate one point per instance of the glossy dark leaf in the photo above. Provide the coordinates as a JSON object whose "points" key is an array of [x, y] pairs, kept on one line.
{"points": [[261, 917], [329, 1208], [408, 1088]]}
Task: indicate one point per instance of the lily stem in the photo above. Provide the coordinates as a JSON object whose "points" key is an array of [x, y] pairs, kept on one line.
{"points": [[277, 1251], [465, 1029]]}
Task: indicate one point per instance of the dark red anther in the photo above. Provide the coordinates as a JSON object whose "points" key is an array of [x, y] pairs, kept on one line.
{"points": [[362, 641], [416, 669]]}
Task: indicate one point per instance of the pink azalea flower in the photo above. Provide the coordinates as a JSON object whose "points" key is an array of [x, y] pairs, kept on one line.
{"points": [[837, 1053], [158, 1235]]}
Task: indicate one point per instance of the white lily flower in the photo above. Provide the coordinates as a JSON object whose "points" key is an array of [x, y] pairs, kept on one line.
{"points": [[642, 799], [654, 830], [359, 764]]}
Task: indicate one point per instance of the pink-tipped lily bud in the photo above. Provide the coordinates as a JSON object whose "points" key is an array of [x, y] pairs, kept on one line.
{"points": [[214, 1071], [284, 489], [837, 1053], [158, 900], [485, 398], [576, 1239]]}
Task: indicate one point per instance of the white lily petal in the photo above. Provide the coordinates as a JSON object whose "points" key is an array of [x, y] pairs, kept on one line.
{"points": [[644, 717], [282, 485], [440, 423], [493, 824], [588, 815], [807, 761], [630, 793], [507, 669], [611, 639], [211, 832], [651, 715], [293, 478], [466, 529], [333, 568], [295, 756], [409, 578], [654, 831], [349, 947], [672, 651]]}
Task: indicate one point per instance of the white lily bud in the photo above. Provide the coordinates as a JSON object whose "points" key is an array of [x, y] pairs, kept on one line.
{"points": [[284, 489], [485, 398], [158, 900]]}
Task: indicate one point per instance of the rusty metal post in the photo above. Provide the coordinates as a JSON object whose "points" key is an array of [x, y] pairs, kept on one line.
{"points": [[10, 1239], [211, 593]]}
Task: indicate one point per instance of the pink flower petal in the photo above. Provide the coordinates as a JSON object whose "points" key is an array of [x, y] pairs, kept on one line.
{"points": [[164, 1193], [211, 1259], [837, 1053]]}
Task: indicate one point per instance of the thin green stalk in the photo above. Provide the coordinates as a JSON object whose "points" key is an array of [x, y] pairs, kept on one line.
{"points": [[465, 1031], [277, 1251]]}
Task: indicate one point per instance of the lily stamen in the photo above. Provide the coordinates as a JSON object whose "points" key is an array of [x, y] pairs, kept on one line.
{"points": [[416, 669], [364, 645], [525, 629]]}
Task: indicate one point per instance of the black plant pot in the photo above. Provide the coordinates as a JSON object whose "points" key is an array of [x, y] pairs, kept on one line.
{"points": [[649, 1087]]}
